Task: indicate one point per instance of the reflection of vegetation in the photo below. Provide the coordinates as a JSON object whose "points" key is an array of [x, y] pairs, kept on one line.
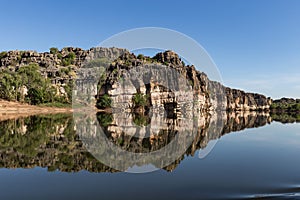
{"points": [[50, 141], [286, 117], [104, 101], [104, 119], [27, 135], [141, 120], [45, 141], [140, 100]]}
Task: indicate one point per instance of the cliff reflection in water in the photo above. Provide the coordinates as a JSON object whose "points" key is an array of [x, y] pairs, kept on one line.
{"points": [[50, 141]]}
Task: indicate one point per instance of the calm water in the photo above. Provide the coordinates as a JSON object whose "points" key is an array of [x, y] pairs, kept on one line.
{"points": [[43, 158]]}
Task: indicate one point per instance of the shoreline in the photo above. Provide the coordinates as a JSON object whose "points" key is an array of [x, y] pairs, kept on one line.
{"points": [[12, 110]]}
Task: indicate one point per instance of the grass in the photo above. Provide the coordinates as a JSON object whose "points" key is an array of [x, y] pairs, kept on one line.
{"points": [[56, 105]]}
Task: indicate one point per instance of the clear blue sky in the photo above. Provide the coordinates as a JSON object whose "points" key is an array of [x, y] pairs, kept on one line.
{"points": [[255, 43]]}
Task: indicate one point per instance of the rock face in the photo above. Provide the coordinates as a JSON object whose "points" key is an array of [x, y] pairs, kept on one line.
{"points": [[165, 80], [53, 63], [240, 100], [169, 83]]}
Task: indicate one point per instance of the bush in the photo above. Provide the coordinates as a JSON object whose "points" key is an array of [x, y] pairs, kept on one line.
{"points": [[291, 106], [104, 119], [140, 120], [40, 89], [139, 100], [35, 96], [64, 71], [59, 56], [3, 54], [140, 56], [8, 83], [69, 60], [54, 50], [104, 101], [72, 55]]}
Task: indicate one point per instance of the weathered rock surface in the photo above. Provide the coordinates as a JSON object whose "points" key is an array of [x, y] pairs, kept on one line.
{"points": [[166, 80], [52, 64], [240, 100], [61, 66]]}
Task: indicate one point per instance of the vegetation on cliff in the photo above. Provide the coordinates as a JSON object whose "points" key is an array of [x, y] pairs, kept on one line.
{"points": [[26, 84], [285, 105], [104, 102], [47, 78]]}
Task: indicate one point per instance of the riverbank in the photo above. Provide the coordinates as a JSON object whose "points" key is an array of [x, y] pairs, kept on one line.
{"points": [[10, 110]]}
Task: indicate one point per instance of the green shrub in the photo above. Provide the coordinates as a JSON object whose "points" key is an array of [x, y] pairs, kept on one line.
{"points": [[183, 63], [72, 55], [140, 56], [35, 96], [54, 50], [140, 120], [64, 71], [40, 89], [59, 56], [104, 101], [104, 119], [7, 86], [69, 59], [291, 107], [3, 54], [140, 100]]}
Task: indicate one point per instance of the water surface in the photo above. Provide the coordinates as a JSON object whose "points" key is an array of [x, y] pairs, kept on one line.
{"points": [[42, 157]]}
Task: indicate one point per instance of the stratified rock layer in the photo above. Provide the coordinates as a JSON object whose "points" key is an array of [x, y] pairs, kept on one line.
{"points": [[165, 79], [60, 68]]}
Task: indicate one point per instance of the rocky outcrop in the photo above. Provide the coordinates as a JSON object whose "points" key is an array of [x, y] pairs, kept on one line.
{"points": [[240, 100], [165, 80], [52, 64], [167, 83]]}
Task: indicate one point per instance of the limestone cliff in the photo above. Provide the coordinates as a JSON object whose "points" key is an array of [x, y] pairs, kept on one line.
{"points": [[165, 80], [61, 66]]}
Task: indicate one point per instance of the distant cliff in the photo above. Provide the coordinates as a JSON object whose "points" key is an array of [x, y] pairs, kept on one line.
{"points": [[61, 66], [45, 78], [145, 76]]}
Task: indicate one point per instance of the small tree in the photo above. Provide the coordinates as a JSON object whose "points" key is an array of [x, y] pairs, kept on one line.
{"points": [[104, 101], [69, 59], [3, 54], [139, 100], [35, 96], [104, 119], [53, 50], [140, 56]]}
